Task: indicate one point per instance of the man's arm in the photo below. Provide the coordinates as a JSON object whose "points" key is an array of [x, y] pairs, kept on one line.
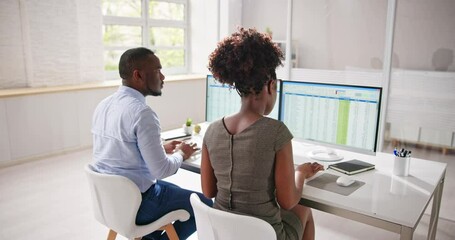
{"points": [[147, 131]]}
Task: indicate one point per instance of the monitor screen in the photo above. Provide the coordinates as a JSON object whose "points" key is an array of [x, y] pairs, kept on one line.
{"points": [[335, 115], [222, 100]]}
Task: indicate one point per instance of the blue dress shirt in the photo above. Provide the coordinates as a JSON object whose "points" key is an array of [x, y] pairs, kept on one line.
{"points": [[127, 142]]}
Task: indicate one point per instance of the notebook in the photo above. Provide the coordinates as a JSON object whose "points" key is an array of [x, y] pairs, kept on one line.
{"points": [[352, 166]]}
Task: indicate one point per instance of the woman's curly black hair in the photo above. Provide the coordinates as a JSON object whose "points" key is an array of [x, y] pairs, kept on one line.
{"points": [[246, 61]]}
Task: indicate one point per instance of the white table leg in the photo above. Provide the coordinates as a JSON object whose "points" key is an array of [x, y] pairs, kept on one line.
{"points": [[435, 210], [406, 233]]}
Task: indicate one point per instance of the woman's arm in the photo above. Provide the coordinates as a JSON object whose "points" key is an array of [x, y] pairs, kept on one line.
{"points": [[289, 182], [208, 179]]}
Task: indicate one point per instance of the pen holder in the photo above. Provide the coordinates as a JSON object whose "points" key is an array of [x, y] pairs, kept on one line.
{"points": [[401, 166], [188, 129]]}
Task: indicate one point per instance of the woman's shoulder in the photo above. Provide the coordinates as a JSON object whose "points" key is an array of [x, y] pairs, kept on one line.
{"points": [[272, 122], [216, 124], [275, 126]]}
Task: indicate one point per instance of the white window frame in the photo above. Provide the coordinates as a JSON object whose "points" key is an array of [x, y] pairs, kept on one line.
{"points": [[145, 22]]}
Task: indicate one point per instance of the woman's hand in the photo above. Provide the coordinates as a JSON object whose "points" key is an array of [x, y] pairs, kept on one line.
{"points": [[309, 169]]}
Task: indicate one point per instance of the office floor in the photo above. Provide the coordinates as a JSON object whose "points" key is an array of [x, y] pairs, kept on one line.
{"points": [[49, 199]]}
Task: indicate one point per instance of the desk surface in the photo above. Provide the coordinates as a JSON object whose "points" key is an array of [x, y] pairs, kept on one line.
{"points": [[392, 198], [395, 199]]}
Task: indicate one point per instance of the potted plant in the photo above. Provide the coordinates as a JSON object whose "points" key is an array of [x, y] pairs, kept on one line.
{"points": [[188, 126]]}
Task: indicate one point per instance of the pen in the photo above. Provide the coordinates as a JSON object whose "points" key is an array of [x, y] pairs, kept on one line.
{"points": [[402, 153]]}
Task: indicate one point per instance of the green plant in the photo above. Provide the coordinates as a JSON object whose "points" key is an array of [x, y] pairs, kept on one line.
{"points": [[268, 31], [189, 122]]}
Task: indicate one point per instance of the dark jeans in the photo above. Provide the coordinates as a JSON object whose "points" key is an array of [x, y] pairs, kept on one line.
{"points": [[164, 197]]}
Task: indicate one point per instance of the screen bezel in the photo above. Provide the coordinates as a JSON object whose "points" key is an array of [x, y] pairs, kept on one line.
{"points": [[334, 145]]}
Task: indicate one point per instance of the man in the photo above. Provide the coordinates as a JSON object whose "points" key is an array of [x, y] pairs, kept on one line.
{"points": [[126, 141]]}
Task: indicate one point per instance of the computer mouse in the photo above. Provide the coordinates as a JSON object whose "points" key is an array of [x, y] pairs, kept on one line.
{"points": [[345, 181]]}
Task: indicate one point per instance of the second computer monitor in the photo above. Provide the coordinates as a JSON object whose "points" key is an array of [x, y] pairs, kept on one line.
{"points": [[330, 114], [222, 100]]}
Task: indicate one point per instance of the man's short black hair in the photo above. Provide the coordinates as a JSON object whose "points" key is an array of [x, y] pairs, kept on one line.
{"points": [[131, 59]]}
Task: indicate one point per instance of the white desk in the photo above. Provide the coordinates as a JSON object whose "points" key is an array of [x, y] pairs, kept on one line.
{"points": [[386, 201]]}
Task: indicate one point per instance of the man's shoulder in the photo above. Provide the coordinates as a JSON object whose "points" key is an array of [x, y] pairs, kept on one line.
{"points": [[124, 105], [130, 102]]}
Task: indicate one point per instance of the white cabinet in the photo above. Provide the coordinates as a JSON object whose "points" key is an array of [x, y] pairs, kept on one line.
{"points": [[37, 125], [407, 133], [421, 135], [5, 153], [437, 137], [421, 107]]}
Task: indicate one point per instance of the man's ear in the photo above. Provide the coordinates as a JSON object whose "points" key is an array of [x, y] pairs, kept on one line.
{"points": [[136, 74]]}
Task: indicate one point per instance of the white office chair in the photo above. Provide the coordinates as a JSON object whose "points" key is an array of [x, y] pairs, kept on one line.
{"points": [[214, 224], [116, 200]]}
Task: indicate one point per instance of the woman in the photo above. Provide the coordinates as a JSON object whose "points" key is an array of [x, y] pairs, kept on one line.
{"points": [[247, 162]]}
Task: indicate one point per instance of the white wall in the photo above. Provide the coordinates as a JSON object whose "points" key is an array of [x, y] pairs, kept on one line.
{"points": [[59, 42], [210, 22], [337, 34], [344, 42], [91, 57], [55, 42], [39, 125], [423, 27], [329, 34], [48, 43], [204, 33], [180, 100], [230, 17], [12, 57], [267, 13]]}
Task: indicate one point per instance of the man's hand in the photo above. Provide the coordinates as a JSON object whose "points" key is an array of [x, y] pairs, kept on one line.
{"points": [[169, 147], [187, 149]]}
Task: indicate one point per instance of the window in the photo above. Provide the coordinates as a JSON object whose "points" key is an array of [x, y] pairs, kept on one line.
{"points": [[160, 25]]}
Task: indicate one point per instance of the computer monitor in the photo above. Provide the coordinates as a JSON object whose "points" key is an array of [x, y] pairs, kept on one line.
{"points": [[333, 115], [222, 100]]}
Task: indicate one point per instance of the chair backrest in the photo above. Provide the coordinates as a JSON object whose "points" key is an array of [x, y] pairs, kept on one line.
{"points": [[115, 200], [214, 224]]}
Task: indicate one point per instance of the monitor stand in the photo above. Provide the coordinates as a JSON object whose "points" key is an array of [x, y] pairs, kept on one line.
{"points": [[326, 155]]}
